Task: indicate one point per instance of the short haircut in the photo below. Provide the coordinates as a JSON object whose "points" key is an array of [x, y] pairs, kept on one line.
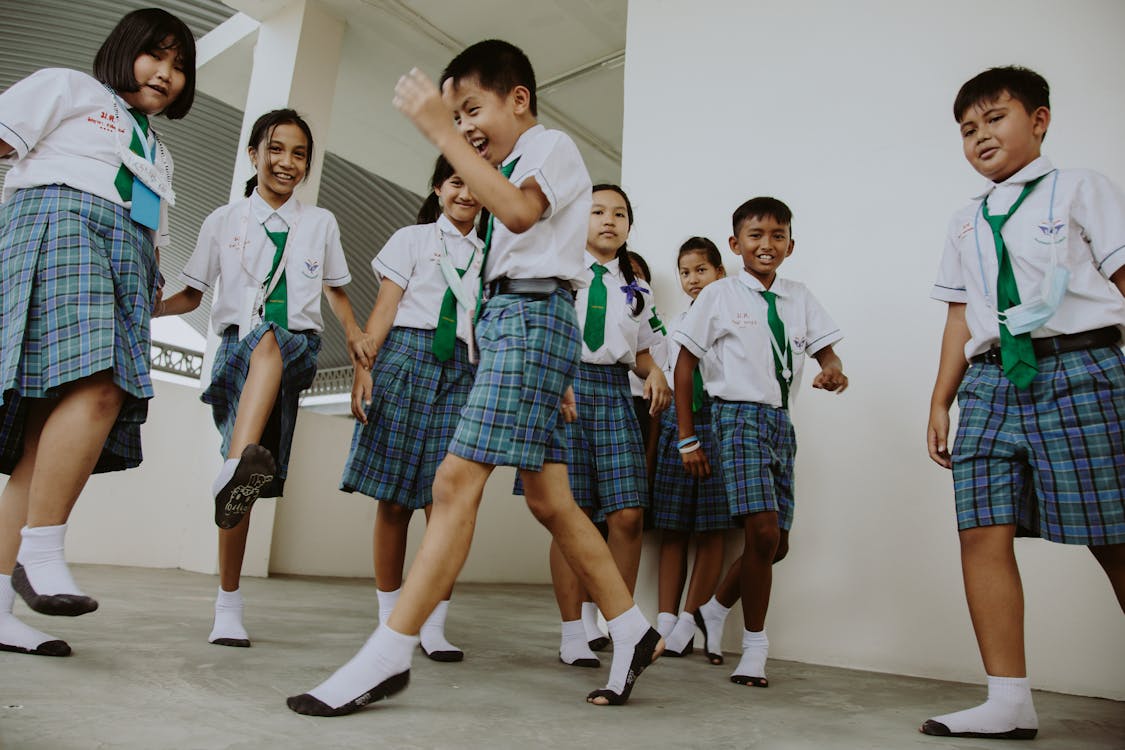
{"points": [[762, 207], [497, 65], [140, 32], [704, 247], [1024, 85], [263, 128]]}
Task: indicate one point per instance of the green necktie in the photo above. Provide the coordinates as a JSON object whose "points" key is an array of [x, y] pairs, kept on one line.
{"points": [[506, 170], [777, 330], [593, 332], [445, 335], [124, 180], [277, 306], [1017, 355], [697, 392]]}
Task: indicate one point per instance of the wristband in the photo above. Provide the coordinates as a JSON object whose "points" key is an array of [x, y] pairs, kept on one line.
{"points": [[687, 441], [691, 448]]}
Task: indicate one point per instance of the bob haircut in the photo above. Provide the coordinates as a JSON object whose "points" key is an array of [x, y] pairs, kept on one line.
{"points": [[143, 31]]}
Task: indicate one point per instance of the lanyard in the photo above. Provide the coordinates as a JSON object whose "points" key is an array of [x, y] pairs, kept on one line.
{"points": [[244, 226], [143, 168], [450, 273], [781, 349], [976, 237]]}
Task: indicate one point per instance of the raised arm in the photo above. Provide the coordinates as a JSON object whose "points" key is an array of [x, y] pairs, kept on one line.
{"points": [[831, 376]]}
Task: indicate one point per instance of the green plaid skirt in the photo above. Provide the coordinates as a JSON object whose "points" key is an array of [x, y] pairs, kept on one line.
{"points": [[77, 281]]}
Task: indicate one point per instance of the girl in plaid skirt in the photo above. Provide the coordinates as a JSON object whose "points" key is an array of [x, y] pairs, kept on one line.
{"points": [[408, 403], [84, 215], [274, 256]]}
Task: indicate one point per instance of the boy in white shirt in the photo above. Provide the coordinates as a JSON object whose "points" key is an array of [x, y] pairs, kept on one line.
{"points": [[1040, 385], [758, 325]]}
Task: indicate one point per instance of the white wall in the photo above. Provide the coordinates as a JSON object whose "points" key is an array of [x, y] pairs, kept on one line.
{"points": [[843, 110]]}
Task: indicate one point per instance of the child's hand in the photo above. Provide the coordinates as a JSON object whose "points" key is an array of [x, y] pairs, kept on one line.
{"points": [[831, 378], [657, 392], [937, 436], [361, 394], [361, 347], [567, 406], [696, 464], [419, 99], [158, 302]]}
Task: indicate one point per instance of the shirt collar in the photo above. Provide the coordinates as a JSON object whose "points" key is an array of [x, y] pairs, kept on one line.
{"points": [[613, 265], [445, 225], [263, 211], [525, 138], [1035, 169]]}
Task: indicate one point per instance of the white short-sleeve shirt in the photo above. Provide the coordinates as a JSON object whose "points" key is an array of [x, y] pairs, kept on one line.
{"points": [[65, 130], [657, 339], [728, 320], [233, 246], [554, 246], [1076, 213], [411, 260], [708, 364], [625, 333]]}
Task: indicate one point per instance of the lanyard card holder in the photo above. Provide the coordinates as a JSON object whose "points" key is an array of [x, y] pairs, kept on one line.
{"points": [[146, 205]]}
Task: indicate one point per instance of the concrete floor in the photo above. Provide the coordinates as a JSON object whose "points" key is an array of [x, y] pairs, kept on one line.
{"points": [[143, 676]]}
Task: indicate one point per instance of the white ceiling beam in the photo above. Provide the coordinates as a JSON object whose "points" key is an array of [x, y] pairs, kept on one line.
{"points": [[224, 36]]}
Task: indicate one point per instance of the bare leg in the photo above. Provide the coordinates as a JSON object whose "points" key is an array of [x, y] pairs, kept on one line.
{"points": [[13, 500], [259, 393], [706, 570], [625, 529], [569, 592], [232, 550], [762, 534], [672, 570], [995, 596], [392, 522], [1112, 559]]}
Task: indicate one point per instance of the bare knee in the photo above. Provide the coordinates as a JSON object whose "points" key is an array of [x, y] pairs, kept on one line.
{"points": [[394, 514], [100, 395], [987, 543], [762, 536], [627, 523]]}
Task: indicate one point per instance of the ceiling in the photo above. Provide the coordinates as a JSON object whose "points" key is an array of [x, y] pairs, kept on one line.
{"points": [[376, 164]]}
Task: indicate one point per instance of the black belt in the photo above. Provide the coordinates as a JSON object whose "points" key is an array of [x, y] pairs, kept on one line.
{"points": [[537, 288], [1053, 345]]}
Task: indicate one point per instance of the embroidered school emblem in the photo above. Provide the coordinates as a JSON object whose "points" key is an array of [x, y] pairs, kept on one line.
{"points": [[800, 343], [743, 319], [312, 268], [1051, 231], [965, 229]]}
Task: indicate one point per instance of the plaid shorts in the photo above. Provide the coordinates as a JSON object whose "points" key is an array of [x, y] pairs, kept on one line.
{"points": [[607, 459], [680, 502], [1051, 458], [757, 446], [529, 353], [77, 280], [415, 406], [228, 376]]}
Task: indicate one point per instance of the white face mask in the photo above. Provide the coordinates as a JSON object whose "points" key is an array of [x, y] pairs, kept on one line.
{"points": [[1027, 316]]}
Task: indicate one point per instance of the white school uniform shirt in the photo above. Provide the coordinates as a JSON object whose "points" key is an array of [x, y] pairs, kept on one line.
{"points": [[411, 259], [65, 131], [728, 319], [233, 245], [708, 364], [1077, 213], [554, 246], [625, 333]]}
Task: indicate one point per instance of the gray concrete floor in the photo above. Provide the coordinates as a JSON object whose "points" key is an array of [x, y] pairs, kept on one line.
{"points": [[143, 676]]}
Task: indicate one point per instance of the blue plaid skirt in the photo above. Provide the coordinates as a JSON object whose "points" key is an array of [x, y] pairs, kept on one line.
{"points": [[228, 376], [529, 353], [77, 281], [680, 502], [1050, 458], [416, 403], [607, 459], [756, 449]]}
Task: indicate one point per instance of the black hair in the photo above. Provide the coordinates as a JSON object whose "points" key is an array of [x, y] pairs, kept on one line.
{"points": [[706, 247], [497, 65], [430, 211], [646, 272], [623, 251], [1023, 84], [760, 208], [140, 32], [263, 129]]}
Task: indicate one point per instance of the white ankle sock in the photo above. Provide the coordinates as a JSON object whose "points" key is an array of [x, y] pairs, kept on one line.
{"points": [[433, 630], [574, 646], [715, 618], [755, 650], [224, 475], [41, 555], [387, 600], [385, 655], [681, 634], [626, 630], [665, 621], [1009, 706], [590, 621], [228, 617], [15, 635]]}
